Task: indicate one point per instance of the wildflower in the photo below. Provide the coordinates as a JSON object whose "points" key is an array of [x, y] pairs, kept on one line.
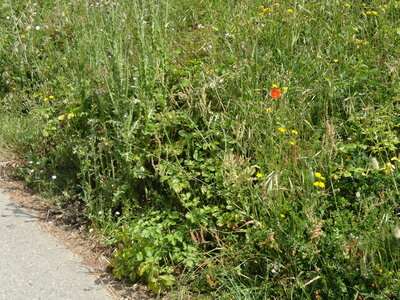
{"points": [[37, 27], [61, 118], [390, 273], [70, 116], [396, 232], [290, 10], [373, 284], [347, 5], [282, 216], [335, 60], [375, 163], [285, 88], [90, 230], [268, 110], [117, 213], [54, 177], [46, 99], [292, 143], [319, 175], [294, 131], [259, 175], [100, 212], [51, 97], [319, 184], [281, 129], [275, 93], [380, 270], [275, 86]]}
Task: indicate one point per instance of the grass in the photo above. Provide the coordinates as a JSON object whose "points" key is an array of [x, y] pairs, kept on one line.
{"points": [[230, 149]]}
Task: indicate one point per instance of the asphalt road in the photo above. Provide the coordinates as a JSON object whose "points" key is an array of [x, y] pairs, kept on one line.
{"points": [[34, 266]]}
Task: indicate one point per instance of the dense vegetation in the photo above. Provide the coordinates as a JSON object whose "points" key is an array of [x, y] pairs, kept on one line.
{"points": [[240, 149]]}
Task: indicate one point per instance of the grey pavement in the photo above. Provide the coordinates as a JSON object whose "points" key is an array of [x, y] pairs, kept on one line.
{"points": [[34, 266]]}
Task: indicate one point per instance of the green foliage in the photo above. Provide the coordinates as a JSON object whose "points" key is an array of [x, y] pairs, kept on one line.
{"points": [[156, 117]]}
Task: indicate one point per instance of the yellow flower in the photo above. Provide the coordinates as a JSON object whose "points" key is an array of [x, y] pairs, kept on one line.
{"points": [[259, 175], [281, 129], [319, 175], [45, 99], [292, 143], [61, 118], [390, 273], [285, 88], [51, 97], [268, 110], [335, 60], [37, 95], [347, 5], [266, 10], [290, 10], [380, 270], [70, 116], [294, 131], [282, 216], [275, 86], [319, 184]]}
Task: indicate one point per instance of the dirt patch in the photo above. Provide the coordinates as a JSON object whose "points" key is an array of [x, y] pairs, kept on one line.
{"points": [[70, 232]]}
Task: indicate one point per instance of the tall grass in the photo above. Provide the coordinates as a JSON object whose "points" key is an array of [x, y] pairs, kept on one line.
{"points": [[158, 118]]}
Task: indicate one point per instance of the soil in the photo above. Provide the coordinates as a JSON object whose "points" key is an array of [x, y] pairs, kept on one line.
{"points": [[69, 231]]}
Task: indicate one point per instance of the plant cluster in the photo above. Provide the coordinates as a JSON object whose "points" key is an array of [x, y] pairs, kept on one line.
{"points": [[235, 149]]}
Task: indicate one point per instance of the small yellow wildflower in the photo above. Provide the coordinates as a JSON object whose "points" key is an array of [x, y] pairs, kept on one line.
{"points": [[390, 273], [292, 143], [281, 129], [335, 60], [51, 97], [45, 99], [275, 86], [294, 131], [319, 175], [319, 184], [285, 88], [268, 110], [38, 95], [14, 89], [70, 116], [347, 5], [380, 270], [266, 10], [61, 118], [282, 216], [290, 10], [259, 175]]}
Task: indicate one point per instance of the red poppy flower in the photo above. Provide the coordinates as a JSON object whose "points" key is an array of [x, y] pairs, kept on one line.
{"points": [[275, 93]]}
